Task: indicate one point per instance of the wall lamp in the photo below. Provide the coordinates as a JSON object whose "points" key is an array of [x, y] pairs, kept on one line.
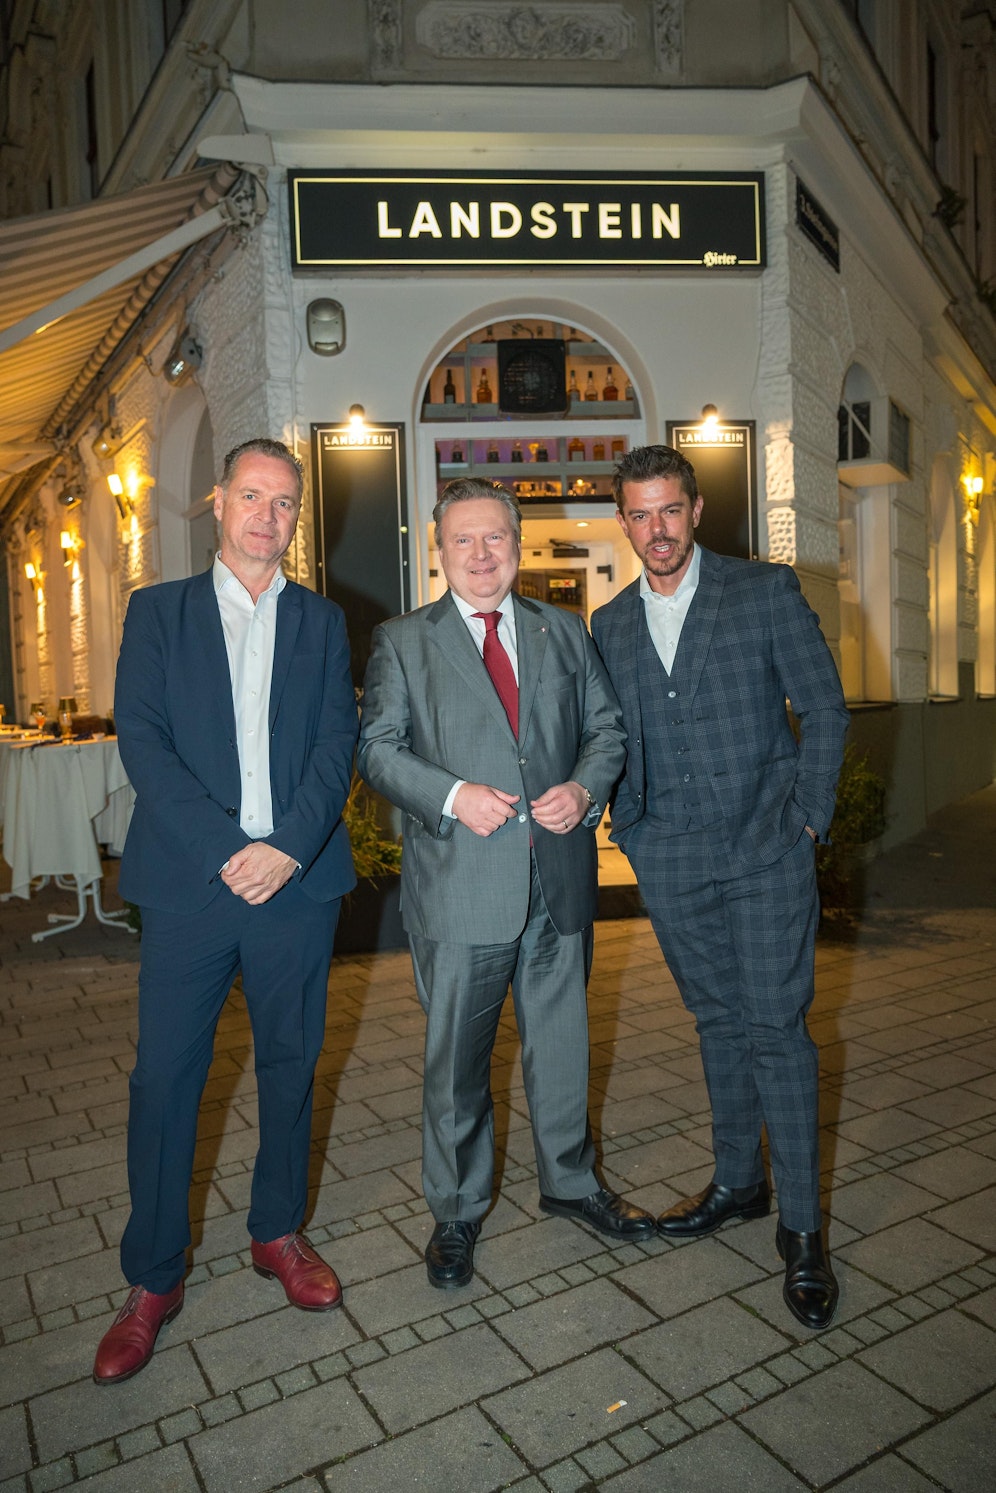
{"points": [[357, 418], [184, 359], [70, 544], [125, 505], [973, 496], [710, 417], [326, 323], [108, 442], [34, 575]]}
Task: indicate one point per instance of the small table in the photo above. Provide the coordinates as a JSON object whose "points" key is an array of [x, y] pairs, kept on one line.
{"points": [[60, 803]]}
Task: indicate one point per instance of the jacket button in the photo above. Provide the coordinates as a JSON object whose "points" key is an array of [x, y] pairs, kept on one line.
{"points": [[232, 813], [672, 694], [522, 761]]}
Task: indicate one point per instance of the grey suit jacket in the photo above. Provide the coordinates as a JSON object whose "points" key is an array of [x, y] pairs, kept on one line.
{"points": [[750, 639], [431, 716]]}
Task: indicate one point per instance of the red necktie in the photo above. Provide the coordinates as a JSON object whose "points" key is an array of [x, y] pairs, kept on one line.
{"points": [[499, 666]]}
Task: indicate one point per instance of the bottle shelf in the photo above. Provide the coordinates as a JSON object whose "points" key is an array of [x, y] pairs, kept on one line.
{"points": [[578, 409]]}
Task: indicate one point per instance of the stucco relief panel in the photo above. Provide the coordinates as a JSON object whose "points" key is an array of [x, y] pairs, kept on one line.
{"points": [[546, 31]]}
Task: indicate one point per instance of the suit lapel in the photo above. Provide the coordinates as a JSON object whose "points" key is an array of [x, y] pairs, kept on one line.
{"points": [[696, 634], [289, 613], [449, 633], [209, 641], [531, 637]]}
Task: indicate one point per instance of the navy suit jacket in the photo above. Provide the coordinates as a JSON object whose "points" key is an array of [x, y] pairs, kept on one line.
{"points": [[176, 732], [749, 640]]}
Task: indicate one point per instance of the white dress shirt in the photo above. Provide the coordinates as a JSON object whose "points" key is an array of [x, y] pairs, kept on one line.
{"points": [[250, 633], [666, 614], [477, 630]]}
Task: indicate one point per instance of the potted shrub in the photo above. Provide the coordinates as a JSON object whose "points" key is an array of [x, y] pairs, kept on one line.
{"points": [[370, 919]]}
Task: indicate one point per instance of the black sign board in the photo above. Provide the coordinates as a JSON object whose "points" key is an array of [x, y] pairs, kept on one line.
{"points": [[361, 527], [723, 458], [415, 219], [818, 226]]}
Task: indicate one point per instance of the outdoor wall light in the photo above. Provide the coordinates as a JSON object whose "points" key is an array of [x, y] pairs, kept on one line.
{"points": [[710, 417], [108, 442], [184, 359], [326, 323], [124, 502], [357, 418]]}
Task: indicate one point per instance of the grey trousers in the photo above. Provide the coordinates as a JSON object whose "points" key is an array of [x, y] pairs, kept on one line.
{"points": [[462, 989]]}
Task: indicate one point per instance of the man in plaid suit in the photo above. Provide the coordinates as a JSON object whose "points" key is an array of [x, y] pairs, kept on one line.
{"points": [[719, 812]]}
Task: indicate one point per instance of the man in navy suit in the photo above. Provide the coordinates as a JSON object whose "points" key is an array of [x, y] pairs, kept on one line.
{"points": [[236, 722], [719, 812]]}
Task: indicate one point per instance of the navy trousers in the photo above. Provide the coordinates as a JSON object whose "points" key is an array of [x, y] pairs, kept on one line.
{"points": [[741, 950], [188, 962]]}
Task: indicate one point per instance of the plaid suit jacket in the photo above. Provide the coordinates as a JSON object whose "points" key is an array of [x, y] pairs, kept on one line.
{"points": [[750, 641]]}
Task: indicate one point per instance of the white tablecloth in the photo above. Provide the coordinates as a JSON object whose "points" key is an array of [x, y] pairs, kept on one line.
{"points": [[59, 804]]}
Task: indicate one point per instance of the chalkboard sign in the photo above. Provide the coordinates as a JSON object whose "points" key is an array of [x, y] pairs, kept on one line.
{"points": [[361, 527]]}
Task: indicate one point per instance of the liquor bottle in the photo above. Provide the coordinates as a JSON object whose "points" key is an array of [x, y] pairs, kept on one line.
{"points": [[629, 393], [573, 392], [484, 388], [449, 389], [541, 454], [590, 392], [493, 454], [598, 449], [456, 455], [575, 449], [517, 451], [539, 329], [609, 390], [618, 447], [489, 334]]}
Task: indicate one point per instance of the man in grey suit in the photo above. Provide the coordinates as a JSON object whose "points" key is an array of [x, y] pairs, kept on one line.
{"points": [[719, 812], [489, 721]]}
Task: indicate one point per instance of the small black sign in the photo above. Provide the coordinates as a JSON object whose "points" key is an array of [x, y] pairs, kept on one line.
{"points": [[361, 527], [818, 226], [369, 219], [723, 458]]}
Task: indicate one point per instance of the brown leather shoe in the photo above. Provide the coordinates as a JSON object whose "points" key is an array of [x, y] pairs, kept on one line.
{"points": [[127, 1344], [304, 1275]]}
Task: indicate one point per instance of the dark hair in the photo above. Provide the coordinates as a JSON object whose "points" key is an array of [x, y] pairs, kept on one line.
{"points": [[262, 446], [644, 463], [463, 489]]}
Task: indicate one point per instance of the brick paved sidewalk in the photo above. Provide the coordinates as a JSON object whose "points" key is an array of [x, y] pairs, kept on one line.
{"points": [[567, 1364]]}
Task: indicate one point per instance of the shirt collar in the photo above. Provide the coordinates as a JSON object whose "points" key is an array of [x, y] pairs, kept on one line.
{"points": [[686, 585], [223, 577]]}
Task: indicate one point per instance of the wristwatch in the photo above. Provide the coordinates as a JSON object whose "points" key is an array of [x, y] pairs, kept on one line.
{"points": [[587, 794]]}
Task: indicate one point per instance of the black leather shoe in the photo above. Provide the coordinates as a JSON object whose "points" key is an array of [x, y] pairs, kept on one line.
{"points": [[449, 1254], [604, 1211], [810, 1289], [702, 1215]]}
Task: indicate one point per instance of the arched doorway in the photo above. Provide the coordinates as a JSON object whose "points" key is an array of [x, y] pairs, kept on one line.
{"points": [[185, 487], [547, 408]]}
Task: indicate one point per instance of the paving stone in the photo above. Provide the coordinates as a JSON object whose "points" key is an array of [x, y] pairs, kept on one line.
{"points": [[705, 1346], [573, 1323], [884, 1130], [76, 1416], [832, 1422], [265, 1346], [685, 1277], [960, 1453], [462, 1449], [953, 1173], [415, 1387], [886, 1475], [941, 1362], [556, 1413], [271, 1445], [910, 1255], [721, 1460], [15, 1448], [878, 1202], [972, 1218], [67, 1241], [634, 1445], [530, 1253]]}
